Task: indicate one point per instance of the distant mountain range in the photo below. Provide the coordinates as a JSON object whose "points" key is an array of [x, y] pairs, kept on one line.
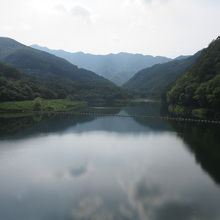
{"points": [[39, 74], [116, 67]]}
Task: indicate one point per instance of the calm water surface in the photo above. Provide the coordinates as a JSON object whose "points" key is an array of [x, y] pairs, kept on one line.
{"points": [[63, 168]]}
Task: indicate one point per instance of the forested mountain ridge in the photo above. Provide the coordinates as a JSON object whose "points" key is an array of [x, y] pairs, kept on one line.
{"points": [[33, 73], [116, 67], [15, 85], [42, 64], [153, 81], [198, 88]]}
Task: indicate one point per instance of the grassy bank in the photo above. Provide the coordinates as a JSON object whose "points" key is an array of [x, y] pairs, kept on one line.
{"points": [[39, 104]]}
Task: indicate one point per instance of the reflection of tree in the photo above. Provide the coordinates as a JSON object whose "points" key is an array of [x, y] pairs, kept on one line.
{"points": [[104, 110], [148, 109], [17, 127], [22, 126], [204, 141]]}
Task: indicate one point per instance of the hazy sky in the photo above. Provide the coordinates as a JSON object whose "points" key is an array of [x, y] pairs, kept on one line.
{"points": [[156, 27]]}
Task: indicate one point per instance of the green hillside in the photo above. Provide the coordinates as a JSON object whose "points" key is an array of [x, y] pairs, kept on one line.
{"points": [[152, 82], [17, 86], [42, 64], [198, 89], [32, 73]]}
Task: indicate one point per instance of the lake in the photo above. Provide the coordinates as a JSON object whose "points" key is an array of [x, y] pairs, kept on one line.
{"points": [[87, 167]]}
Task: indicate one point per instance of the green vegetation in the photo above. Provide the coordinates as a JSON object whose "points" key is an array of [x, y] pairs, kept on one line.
{"points": [[198, 89], [39, 104], [16, 86], [33, 73], [43, 65], [152, 82], [178, 110]]}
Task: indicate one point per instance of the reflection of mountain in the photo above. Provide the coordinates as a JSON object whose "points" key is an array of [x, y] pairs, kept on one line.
{"points": [[19, 127], [129, 125], [148, 109], [203, 140], [22, 126]]}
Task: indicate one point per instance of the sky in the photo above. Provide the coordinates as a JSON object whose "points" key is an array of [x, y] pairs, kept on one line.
{"points": [[155, 27]]}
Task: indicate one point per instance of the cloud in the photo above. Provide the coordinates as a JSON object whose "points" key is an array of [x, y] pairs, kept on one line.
{"points": [[81, 13], [147, 1], [115, 38], [60, 8], [155, 1], [156, 27], [19, 27]]}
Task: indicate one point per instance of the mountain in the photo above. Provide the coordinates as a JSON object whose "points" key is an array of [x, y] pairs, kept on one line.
{"points": [[34, 73], [152, 82], [181, 57], [116, 67], [18, 86], [42, 64], [198, 89]]}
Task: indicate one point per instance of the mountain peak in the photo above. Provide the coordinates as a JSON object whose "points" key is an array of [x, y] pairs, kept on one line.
{"points": [[8, 42]]}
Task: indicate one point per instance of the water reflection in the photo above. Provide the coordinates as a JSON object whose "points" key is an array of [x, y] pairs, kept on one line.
{"points": [[156, 205], [33, 125], [109, 168], [204, 141]]}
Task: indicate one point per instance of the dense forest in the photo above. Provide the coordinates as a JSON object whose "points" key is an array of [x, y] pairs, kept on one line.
{"points": [[16, 86], [32, 73], [152, 82], [198, 89]]}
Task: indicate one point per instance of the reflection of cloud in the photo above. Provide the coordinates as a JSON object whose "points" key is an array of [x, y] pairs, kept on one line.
{"points": [[151, 202], [87, 207], [97, 208], [78, 171], [126, 211], [174, 210], [73, 172], [145, 190]]}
